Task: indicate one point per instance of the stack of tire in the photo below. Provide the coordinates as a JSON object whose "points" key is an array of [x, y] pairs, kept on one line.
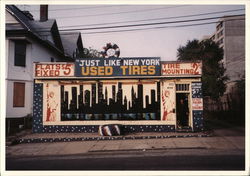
{"points": [[110, 130], [110, 46]]}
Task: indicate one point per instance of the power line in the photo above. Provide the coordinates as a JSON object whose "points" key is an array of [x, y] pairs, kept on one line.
{"points": [[162, 27], [86, 8], [117, 13], [141, 29], [151, 19], [143, 24]]}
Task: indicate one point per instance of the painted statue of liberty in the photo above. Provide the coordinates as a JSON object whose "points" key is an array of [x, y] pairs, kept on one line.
{"points": [[51, 105]]}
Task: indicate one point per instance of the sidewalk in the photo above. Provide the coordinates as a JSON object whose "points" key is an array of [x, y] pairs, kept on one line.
{"points": [[29, 137], [91, 143]]}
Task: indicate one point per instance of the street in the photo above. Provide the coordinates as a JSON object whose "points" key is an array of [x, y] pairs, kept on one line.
{"points": [[182, 159]]}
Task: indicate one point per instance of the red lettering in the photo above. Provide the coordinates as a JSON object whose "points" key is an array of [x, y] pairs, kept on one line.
{"points": [[67, 70], [57, 66], [45, 73], [38, 66], [38, 73], [195, 66]]}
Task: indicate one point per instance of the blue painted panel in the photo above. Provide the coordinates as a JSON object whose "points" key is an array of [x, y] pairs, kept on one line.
{"points": [[198, 121], [37, 108], [197, 114], [196, 90]]}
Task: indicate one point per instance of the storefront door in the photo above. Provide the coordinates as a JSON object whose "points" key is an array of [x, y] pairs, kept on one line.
{"points": [[182, 110], [183, 106]]}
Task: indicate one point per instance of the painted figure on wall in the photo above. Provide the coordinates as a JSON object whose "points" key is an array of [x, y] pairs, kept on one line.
{"points": [[167, 105], [51, 105], [168, 101]]}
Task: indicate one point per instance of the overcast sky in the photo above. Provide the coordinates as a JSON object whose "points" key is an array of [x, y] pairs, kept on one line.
{"points": [[162, 42]]}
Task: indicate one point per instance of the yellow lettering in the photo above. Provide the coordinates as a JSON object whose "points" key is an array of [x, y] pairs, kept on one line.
{"points": [[108, 70], [93, 71], [124, 69], [85, 71], [143, 70], [101, 70], [136, 70], [151, 70]]}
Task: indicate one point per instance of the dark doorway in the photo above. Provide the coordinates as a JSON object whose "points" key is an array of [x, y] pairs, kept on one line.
{"points": [[182, 110]]}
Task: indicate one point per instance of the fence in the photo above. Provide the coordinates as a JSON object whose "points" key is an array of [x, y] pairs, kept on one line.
{"points": [[230, 107]]}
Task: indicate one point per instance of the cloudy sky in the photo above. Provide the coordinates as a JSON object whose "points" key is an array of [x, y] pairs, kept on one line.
{"points": [[140, 39]]}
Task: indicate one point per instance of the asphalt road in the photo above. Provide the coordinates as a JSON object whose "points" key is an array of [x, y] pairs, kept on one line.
{"points": [[152, 161]]}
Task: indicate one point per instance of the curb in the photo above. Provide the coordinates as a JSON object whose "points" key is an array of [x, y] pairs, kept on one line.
{"points": [[49, 140], [100, 153]]}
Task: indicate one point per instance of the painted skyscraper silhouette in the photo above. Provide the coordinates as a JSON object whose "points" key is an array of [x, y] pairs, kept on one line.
{"points": [[95, 104]]}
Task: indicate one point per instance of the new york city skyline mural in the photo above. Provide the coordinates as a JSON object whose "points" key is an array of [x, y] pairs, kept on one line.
{"points": [[120, 101]]}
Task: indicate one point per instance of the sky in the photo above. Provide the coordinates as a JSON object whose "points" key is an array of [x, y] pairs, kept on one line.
{"points": [[161, 42]]}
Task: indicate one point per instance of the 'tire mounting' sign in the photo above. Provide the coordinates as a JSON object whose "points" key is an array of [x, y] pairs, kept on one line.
{"points": [[181, 68]]}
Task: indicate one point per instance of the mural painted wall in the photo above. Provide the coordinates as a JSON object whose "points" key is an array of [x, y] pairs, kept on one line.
{"points": [[65, 103], [168, 102], [105, 100], [110, 101], [51, 102]]}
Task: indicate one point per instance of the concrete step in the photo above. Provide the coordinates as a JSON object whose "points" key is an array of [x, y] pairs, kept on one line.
{"points": [[185, 129]]}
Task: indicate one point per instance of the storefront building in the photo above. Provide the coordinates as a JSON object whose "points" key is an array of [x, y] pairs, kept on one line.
{"points": [[141, 94]]}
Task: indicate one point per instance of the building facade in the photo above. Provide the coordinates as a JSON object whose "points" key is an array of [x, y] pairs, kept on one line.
{"points": [[141, 94], [230, 35]]}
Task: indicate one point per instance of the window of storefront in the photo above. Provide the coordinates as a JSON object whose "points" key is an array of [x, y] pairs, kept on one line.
{"points": [[182, 87], [111, 101], [18, 94]]}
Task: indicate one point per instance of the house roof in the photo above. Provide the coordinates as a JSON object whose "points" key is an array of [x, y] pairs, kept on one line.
{"points": [[43, 28], [70, 41], [20, 16], [45, 31]]}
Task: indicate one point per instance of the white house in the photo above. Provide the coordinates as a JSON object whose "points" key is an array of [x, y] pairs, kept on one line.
{"points": [[28, 41]]}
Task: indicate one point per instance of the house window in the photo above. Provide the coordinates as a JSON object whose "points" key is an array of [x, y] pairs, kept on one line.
{"points": [[52, 59], [20, 53], [18, 94]]}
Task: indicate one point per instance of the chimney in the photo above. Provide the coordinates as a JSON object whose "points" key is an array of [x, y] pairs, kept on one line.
{"points": [[43, 12]]}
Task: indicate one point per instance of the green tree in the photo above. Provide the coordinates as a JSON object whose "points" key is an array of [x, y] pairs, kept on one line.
{"points": [[211, 55]]}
